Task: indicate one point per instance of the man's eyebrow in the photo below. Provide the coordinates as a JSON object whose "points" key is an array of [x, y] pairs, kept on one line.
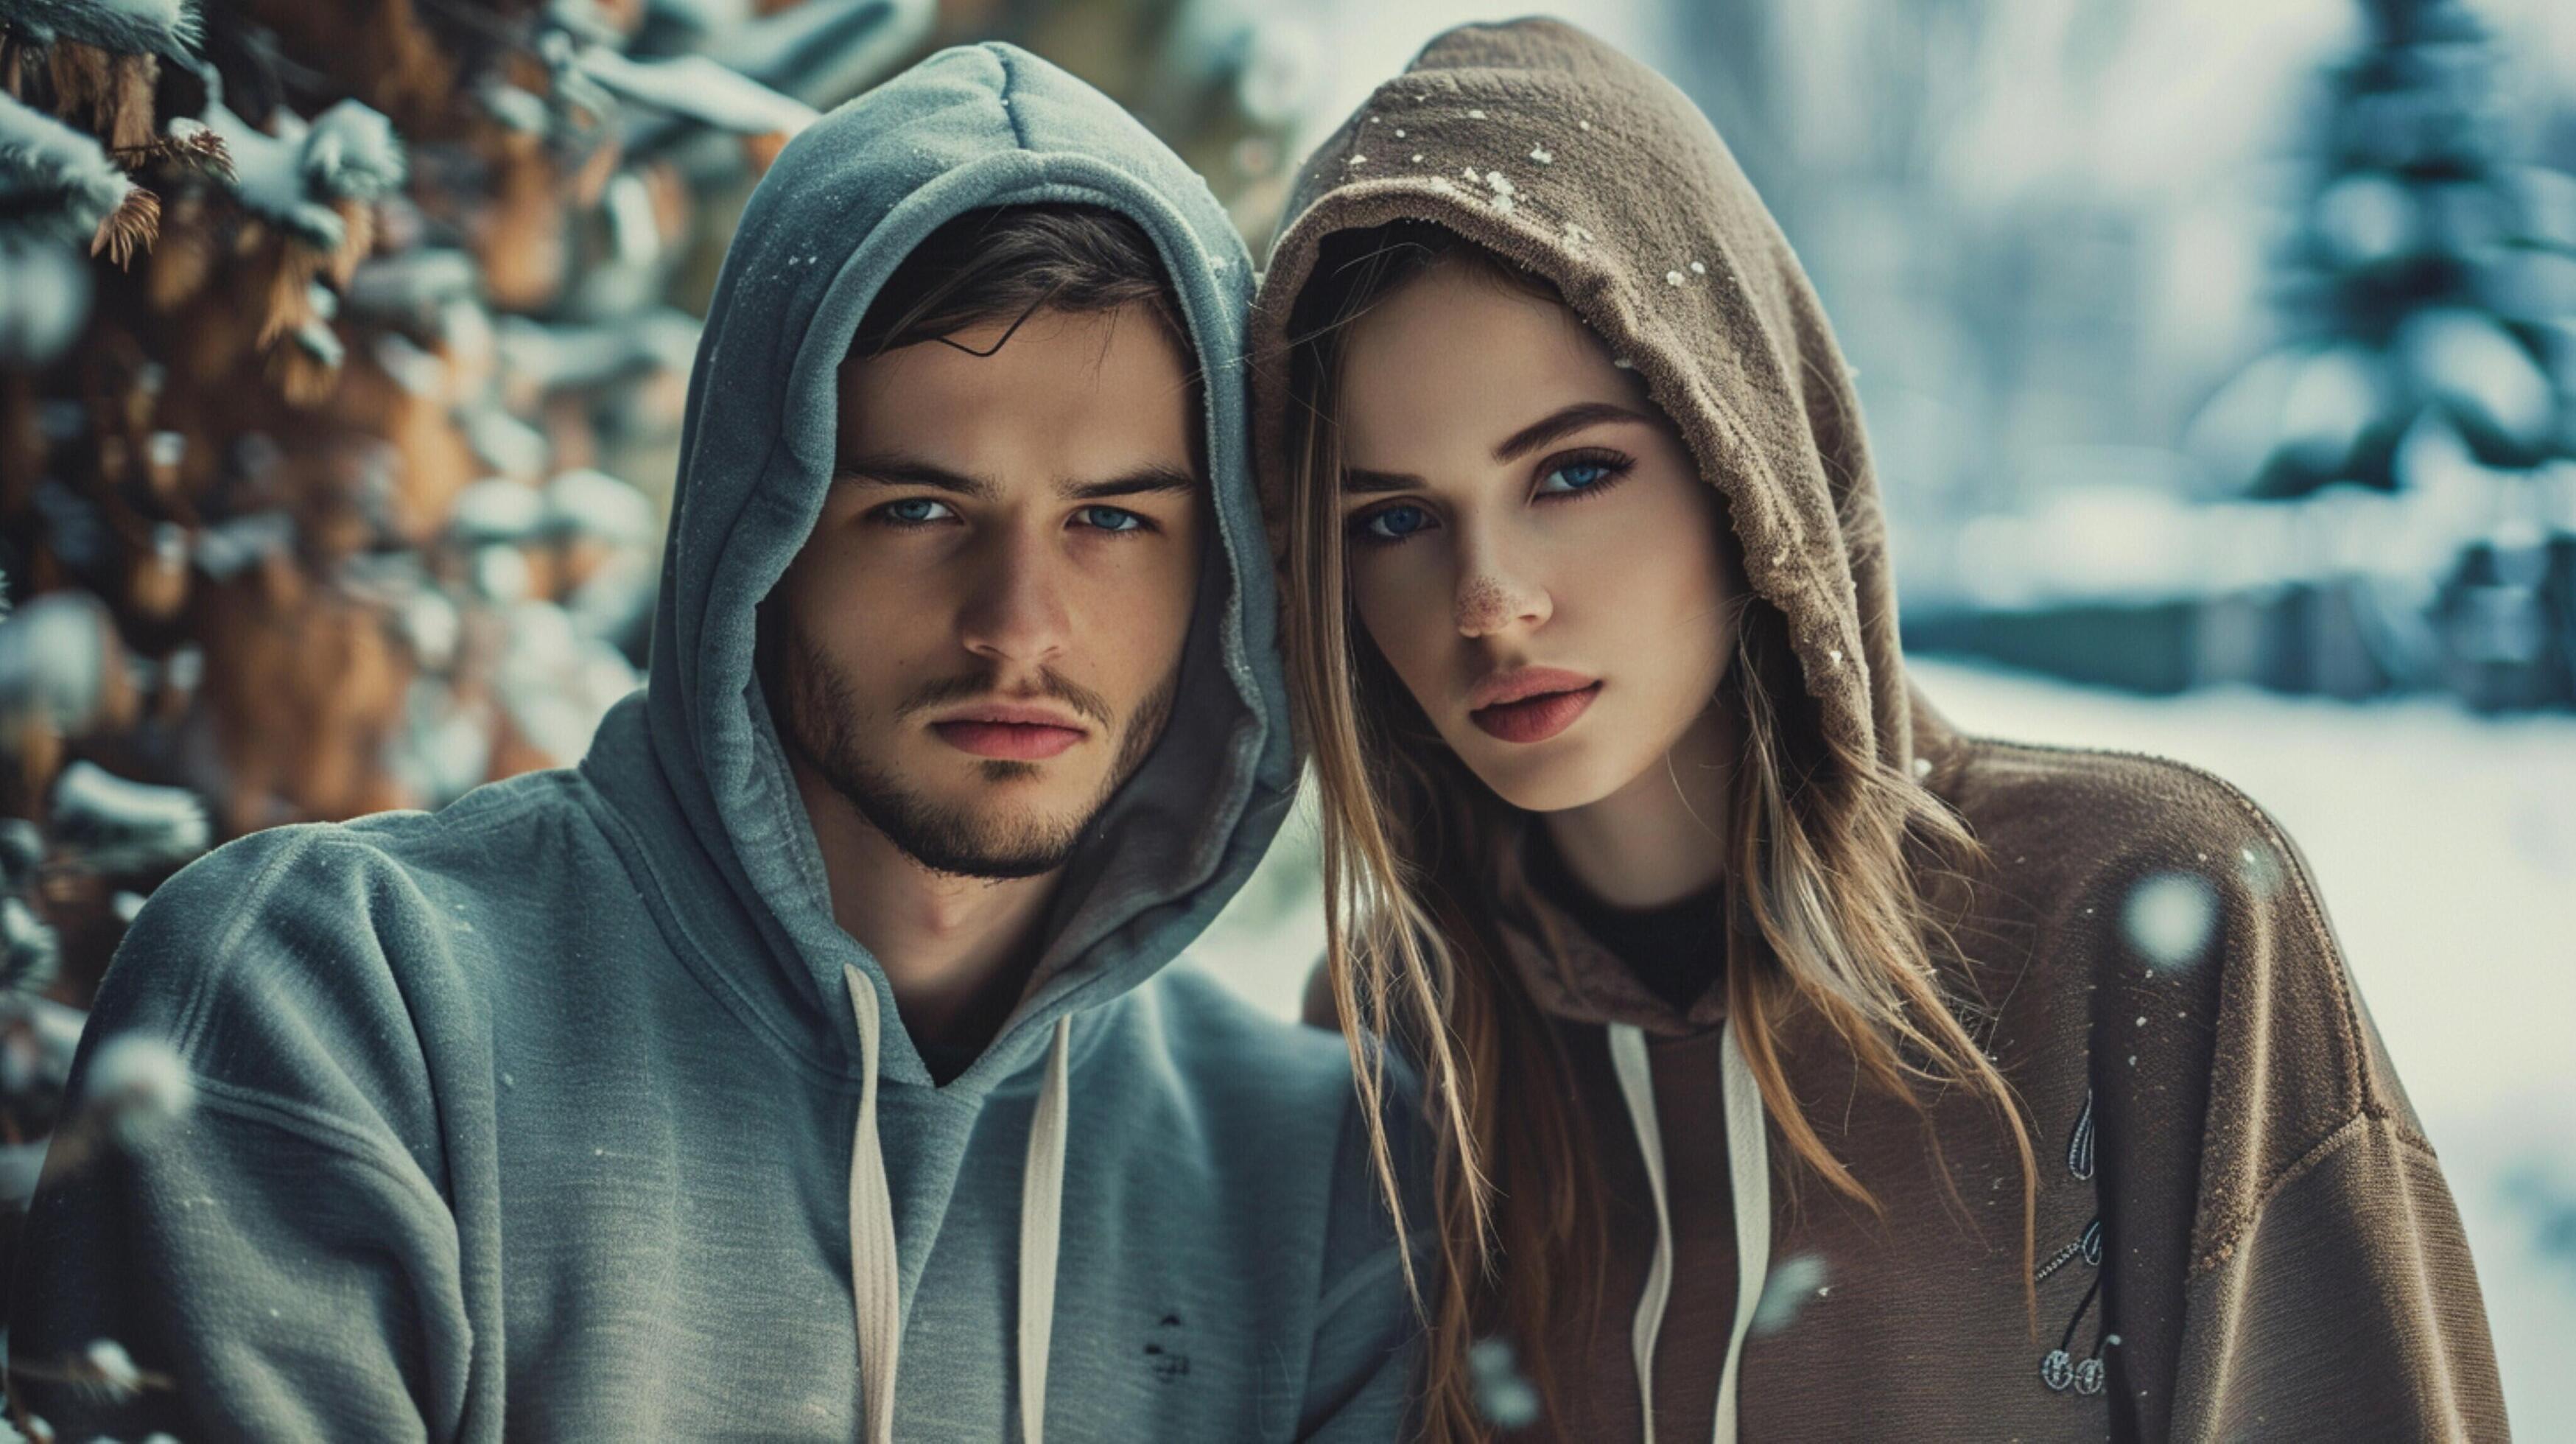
{"points": [[1144, 481], [1558, 422], [912, 471]]}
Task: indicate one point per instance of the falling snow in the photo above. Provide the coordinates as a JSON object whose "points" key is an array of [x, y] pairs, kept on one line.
{"points": [[1792, 1281], [1542, 155], [2168, 917]]}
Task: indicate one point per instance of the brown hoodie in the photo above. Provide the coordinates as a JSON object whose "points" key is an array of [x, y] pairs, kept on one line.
{"points": [[2243, 1232]]}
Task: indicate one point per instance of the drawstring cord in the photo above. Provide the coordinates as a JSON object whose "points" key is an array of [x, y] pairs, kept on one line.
{"points": [[1748, 1171], [875, 1277]]}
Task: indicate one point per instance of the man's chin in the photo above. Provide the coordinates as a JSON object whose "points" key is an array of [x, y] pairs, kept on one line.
{"points": [[970, 831]]}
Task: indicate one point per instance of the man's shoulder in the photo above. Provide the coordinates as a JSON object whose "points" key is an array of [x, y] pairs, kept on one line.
{"points": [[316, 907]]}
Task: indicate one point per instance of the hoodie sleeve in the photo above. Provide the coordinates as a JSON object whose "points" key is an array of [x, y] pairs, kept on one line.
{"points": [[2347, 1307], [280, 1254], [2284, 1256], [1360, 1372]]}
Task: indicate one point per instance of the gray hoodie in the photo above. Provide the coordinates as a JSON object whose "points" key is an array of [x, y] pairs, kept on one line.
{"points": [[565, 1110]]}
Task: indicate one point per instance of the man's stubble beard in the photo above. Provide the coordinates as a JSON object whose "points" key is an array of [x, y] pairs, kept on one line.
{"points": [[963, 841]]}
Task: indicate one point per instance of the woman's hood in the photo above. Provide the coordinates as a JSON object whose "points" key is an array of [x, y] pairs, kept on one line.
{"points": [[1549, 147]]}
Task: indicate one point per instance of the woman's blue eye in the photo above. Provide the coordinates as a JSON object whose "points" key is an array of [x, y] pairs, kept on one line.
{"points": [[916, 511], [1396, 522], [1577, 475], [1111, 518]]}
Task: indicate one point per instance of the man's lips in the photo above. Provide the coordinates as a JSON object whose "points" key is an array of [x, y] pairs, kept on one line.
{"points": [[1006, 730], [1530, 704]]}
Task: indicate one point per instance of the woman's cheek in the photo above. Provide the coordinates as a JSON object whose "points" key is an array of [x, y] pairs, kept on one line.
{"points": [[1402, 616]]}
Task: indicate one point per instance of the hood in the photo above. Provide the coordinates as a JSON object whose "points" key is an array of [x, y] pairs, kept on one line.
{"points": [[695, 762], [1546, 145]]}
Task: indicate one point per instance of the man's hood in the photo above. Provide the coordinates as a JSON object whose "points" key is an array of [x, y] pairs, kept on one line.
{"points": [[1549, 147], [695, 761]]}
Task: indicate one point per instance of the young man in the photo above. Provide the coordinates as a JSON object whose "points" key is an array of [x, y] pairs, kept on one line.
{"points": [[791, 1069]]}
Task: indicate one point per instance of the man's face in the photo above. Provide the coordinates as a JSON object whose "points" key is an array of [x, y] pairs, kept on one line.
{"points": [[982, 637]]}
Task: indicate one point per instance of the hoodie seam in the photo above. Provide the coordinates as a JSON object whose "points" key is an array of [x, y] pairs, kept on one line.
{"points": [[1010, 83], [320, 1128], [2337, 1140], [243, 913]]}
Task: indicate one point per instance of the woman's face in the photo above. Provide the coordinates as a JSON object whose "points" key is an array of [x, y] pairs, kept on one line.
{"points": [[1530, 544]]}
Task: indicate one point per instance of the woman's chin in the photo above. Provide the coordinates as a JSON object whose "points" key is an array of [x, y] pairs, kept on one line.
{"points": [[1557, 775]]}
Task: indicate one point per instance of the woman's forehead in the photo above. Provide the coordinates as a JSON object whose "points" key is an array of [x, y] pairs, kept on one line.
{"points": [[1454, 362]]}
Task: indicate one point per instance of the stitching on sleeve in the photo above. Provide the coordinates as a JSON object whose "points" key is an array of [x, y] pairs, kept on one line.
{"points": [[209, 965], [322, 1131], [2360, 1125]]}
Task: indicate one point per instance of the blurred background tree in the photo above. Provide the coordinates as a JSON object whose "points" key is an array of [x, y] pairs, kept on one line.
{"points": [[2429, 288]]}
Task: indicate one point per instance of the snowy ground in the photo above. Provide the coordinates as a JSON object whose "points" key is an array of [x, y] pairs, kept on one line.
{"points": [[2445, 845]]}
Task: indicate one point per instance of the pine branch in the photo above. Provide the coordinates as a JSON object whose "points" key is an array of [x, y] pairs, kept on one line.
{"points": [[132, 226], [125, 27], [61, 176]]}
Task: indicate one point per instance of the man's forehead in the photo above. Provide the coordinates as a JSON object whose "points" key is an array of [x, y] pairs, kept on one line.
{"points": [[1090, 397]]}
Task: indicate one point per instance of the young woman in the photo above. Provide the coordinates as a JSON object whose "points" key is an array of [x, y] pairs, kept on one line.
{"points": [[1801, 1067]]}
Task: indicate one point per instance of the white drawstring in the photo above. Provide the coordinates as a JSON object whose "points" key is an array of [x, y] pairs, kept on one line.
{"points": [[1041, 1220], [875, 1277], [874, 1280], [1748, 1172]]}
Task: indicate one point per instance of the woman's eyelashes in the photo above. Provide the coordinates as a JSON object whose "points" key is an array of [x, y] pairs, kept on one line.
{"points": [[1582, 473], [1561, 477], [922, 511], [1389, 525]]}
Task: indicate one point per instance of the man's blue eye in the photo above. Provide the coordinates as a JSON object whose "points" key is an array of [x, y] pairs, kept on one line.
{"points": [[1576, 475], [1397, 522], [1111, 518], [915, 511]]}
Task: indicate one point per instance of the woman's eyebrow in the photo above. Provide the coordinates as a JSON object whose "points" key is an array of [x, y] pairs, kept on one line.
{"points": [[1558, 422], [1357, 482]]}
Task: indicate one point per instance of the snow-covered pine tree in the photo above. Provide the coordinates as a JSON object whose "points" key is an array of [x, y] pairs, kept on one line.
{"points": [[2429, 288]]}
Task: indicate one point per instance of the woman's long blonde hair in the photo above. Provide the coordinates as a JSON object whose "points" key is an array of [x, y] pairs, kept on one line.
{"points": [[1843, 877]]}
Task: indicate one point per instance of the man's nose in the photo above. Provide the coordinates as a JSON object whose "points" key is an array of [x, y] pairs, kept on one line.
{"points": [[1014, 609]]}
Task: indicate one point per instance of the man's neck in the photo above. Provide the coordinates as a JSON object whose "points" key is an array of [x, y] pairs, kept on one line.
{"points": [[1662, 837], [956, 950]]}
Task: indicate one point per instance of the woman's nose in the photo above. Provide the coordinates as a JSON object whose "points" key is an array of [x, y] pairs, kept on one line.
{"points": [[1490, 601]]}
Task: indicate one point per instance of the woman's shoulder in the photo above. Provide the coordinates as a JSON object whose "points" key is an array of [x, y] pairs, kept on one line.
{"points": [[2175, 932]]}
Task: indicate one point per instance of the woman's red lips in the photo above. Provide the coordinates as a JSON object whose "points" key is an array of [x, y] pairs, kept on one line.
{"points": [[1020, 734], [1535, 716]]}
